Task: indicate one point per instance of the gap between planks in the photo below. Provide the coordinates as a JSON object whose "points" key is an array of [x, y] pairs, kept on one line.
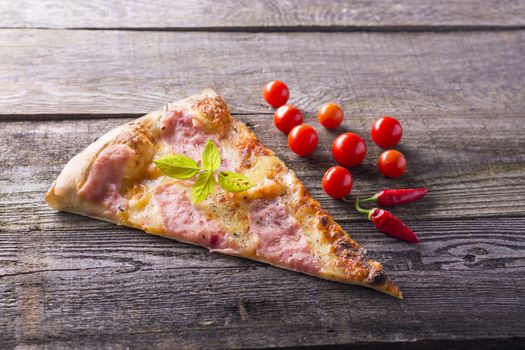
{"points": [[88, 116], [300, 29]]}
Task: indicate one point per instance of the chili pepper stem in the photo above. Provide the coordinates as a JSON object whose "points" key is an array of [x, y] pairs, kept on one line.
{"points": [[361, 210], [369, 199]]}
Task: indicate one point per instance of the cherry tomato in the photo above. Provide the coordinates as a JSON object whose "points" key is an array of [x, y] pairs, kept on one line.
{"points": [[337, 182], [276, 93], [392, 163], [349, 149], [330, 115], [302, 140], [386, 132], [286, 118]]}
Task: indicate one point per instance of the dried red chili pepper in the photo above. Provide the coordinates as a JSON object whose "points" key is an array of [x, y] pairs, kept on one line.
{"points": [[397, 197], [389, 224]]}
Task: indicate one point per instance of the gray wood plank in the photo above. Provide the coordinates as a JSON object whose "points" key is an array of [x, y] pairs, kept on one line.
{"points": [[262, 15], [69, 281], [72, 282], [49, 73], [467, 166]]}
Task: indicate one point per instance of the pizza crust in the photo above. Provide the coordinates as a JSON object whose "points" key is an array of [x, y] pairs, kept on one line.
{"points": [[63, 193], [345, 260]]}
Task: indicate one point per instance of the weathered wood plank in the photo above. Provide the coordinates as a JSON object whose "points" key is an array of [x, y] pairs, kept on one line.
{"points": [[467, 166], [259, 14], [425, 74], [69, 281], [107, 287], [102, 285]]}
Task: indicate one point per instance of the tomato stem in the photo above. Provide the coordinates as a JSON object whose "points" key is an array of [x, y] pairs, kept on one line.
{"points": [[361, 210]]}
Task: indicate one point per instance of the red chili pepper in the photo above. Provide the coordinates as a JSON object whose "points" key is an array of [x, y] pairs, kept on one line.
{"points": [[389, 224], [397, 197]]}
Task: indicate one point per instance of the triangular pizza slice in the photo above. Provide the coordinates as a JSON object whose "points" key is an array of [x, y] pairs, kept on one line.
{"points": [[275, 222]]}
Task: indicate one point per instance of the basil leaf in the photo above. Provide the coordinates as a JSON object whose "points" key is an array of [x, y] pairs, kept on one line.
{"points": [[203, 187], [177, 166], [233, 182], [211, 158]]}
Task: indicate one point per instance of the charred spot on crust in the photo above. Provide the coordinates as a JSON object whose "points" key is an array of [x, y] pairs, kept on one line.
{"points": [[376, 277], [348, 249], [323, 221], [343, 244]]}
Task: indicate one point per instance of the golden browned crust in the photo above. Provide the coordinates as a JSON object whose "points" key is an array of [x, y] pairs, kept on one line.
{"points": [[140, 135], [352, 259], [211, 113], [63, 193]]}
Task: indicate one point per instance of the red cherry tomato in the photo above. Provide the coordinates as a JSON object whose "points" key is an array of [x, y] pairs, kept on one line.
{"points": [[276, 93], [337, 182], [392, 163], [302, 140], [349, 149], [330, 115], [386, 132], [286, 118]]}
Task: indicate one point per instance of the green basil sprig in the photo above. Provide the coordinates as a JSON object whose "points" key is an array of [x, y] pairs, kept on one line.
{"points": [[183, 168]]}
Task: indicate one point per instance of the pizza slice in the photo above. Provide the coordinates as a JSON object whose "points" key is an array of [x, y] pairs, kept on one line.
{"points": [[276, 221]]}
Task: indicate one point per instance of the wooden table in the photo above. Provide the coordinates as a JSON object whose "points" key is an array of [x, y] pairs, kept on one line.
{"points": [[452, 72]]}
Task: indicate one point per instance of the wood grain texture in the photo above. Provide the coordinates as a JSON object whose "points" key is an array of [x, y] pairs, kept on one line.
{"points": [[466, 166], [72, 282], [262, 14], [106, 286], [54, 72], [103, 285], [69, 281]]}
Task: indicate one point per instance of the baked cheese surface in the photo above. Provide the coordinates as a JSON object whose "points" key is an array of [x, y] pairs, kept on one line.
{"points": [[276, 221]]}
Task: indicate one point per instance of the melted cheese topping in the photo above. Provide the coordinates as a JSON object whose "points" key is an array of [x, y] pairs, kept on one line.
{"points": [[276, 221], [160, 205]]}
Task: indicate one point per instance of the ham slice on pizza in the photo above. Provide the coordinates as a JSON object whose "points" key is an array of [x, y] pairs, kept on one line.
{"points": [[275, 221]]}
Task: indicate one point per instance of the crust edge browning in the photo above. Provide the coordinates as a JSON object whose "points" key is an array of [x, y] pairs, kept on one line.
{"points": [[212, 112]]}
